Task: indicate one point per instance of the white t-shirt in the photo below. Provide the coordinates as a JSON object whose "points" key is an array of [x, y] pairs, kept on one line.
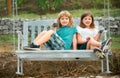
{"points": [[85, 32]]}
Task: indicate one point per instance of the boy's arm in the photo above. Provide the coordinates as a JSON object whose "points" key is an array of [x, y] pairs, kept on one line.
{"points": [[74, 42]]}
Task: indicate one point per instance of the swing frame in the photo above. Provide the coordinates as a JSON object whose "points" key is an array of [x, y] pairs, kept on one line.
{"points": [[50, 55]]}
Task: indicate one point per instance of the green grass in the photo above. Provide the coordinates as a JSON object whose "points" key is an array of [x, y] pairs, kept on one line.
{"points": [[95, 12], [75, 13], [7, 38], [116, 42]]}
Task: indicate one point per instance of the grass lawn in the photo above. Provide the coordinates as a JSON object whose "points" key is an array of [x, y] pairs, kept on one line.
{"points": [[75, 13], [116, 42]]}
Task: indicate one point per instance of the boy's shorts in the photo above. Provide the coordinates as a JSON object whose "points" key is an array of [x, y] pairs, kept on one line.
{"points": [[82, 46], [55, 43]]}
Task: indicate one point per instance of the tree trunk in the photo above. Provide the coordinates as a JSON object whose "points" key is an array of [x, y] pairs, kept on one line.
{"points": [[9, 7]]}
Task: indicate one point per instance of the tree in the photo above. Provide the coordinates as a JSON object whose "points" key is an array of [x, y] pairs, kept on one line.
{"points": [[48, 4], [9, 7]]}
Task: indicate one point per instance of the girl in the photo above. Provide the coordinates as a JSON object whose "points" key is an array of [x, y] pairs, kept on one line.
{"points": [[88, 35], [62, 38]]}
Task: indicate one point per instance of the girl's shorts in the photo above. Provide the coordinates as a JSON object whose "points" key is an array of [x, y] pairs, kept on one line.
{"points": [[82, 46], [55, 43]]}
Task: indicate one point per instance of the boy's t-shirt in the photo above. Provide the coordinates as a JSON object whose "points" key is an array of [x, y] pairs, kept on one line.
{"points": [[67, 33]]}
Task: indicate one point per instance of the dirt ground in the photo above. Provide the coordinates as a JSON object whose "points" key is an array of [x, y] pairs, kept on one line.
{"points": [[47, 69]]}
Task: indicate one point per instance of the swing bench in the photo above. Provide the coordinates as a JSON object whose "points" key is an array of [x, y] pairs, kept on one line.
{"points": [[32, 28]]}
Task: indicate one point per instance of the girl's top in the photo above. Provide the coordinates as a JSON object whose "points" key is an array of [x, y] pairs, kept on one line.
{"points": [[67, 33], [85, 32]]}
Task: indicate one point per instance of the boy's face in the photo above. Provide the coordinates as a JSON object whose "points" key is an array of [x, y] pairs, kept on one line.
{"points": [[64, 20], [87, 21]]}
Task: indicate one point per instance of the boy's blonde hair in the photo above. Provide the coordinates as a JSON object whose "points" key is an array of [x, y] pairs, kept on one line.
{"points": [[64, 13]]}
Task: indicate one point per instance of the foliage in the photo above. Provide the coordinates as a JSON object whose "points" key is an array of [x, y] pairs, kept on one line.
{"points": [[20, 2], [2, 8], [51, 6], [98, 2], [48, 4], [85, 4], [115, 3]]}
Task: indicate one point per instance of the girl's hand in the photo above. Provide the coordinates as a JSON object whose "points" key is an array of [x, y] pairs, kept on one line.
{"points": [[55, 24], [88, 38]]}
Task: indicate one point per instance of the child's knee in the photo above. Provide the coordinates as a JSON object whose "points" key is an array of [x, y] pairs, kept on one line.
{"points": [[51, 31], [99, 45], [44, 31]]}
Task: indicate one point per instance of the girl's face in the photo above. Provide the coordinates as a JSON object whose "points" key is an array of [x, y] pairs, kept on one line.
{"points": [[64, 20], [87, 21]]}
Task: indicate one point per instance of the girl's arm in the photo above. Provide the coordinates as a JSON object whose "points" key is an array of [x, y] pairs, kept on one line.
{"points": [[74, 42], [54, 26], [79, 39], [97, 37]]}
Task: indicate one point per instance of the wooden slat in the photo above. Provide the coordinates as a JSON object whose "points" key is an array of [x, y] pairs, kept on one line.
{"points": [[25, 33], [56, 54]]}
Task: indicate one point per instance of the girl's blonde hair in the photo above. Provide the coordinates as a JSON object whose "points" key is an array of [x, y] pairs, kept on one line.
{"points": [[67, 14], [92, 25]]}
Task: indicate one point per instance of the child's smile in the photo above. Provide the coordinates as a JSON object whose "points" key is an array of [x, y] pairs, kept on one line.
{"points": [[87, 21], [64, 20]]}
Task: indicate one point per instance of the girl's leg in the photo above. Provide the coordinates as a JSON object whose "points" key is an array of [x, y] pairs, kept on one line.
{"points": [[93, 43], [40, 35], [97, 37], [44, 37]]}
